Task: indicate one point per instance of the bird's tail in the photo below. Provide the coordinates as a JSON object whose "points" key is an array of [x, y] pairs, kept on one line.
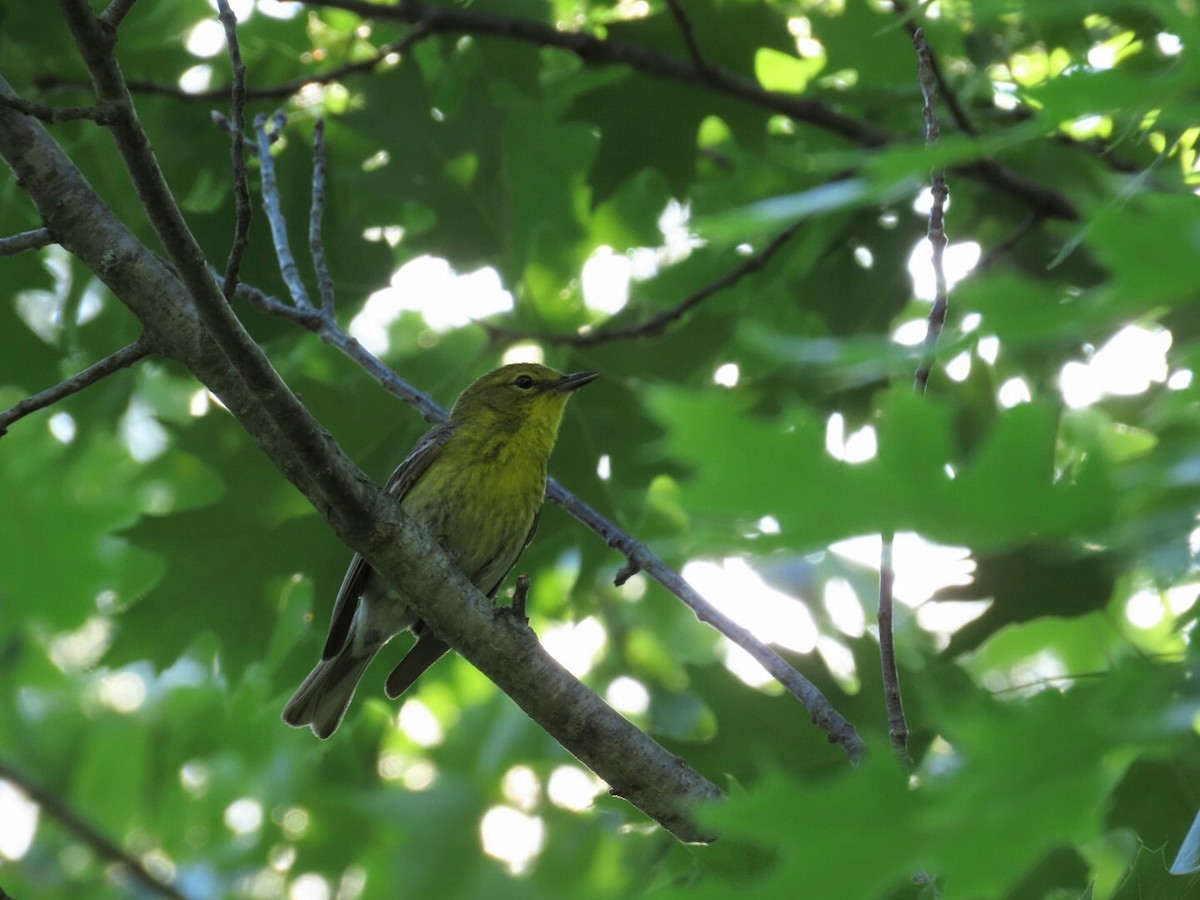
{"points": [[321, 700], [424, 653]]}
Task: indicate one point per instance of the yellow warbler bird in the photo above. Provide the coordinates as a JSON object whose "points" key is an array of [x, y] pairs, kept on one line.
{"points": [[476, 482]]}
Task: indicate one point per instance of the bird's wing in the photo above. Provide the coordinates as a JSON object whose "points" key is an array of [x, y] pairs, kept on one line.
{"points": [[429, 648], [537, 517], [408, 473]]}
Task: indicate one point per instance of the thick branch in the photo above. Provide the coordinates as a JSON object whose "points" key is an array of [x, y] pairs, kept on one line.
{"points": [[371, 522], [124, 357]]}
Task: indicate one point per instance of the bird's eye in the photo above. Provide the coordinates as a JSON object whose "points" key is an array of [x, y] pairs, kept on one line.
{"points": [[524, 382]]}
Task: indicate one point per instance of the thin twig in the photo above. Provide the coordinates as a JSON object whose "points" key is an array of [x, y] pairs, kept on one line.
{"points": [[59, 810], [688, 30], [937, 215], [280, 91], [26, 240], [123, 358], [1014, 237], [657, 324], [274, 211], [316, 246], [897, 723], [957, 111], [101, 113], [116, 12], [241, 188]]}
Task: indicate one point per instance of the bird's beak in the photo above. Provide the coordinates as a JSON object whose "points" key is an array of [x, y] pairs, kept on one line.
{"points": [[574, 381]]}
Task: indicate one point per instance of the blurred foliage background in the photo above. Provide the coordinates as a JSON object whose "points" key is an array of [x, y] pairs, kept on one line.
{"points": [[163, 589]]}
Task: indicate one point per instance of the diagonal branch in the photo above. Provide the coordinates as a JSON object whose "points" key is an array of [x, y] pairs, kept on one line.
{"points": [[104, 847], [123, 358], [659, 323]]}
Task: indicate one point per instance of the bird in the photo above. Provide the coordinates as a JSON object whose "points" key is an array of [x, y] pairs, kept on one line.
{"points": [[476, 482]]}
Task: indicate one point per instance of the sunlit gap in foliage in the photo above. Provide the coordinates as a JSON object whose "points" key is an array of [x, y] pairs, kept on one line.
{"points": [[419, 724], [576, 645], [512, 837], [79, 650], [1149, 608], [512, 832], [18, 822], [140, 432], [1129, 363], [628, 695], [415, 773], [429, 286], [524, 352], [727, 375], [738, 591], [43, 310], [857, 447], [607, 274], [922, 568], [957, 261], [62, 427]]}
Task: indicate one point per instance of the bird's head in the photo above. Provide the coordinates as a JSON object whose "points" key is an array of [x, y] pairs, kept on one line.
{"points": [[517, 396]]}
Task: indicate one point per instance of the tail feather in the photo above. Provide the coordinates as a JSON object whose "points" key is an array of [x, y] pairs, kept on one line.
{"points": [[322, 699], [423, 654]]}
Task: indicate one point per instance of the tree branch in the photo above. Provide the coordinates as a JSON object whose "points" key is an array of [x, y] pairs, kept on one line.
{"points": [[100, 113], [937, 215], [62, 812], [316, 246], [657, 324], [26, 240], [241, 188], [116, 12], [893, 699], [683, 20], [123, 358], [274, 210], [957, 112]]}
